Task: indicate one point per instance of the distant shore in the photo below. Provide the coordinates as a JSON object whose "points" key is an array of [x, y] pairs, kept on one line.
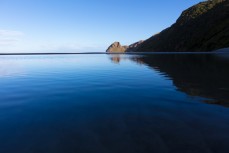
{"points": [[224, 50]]}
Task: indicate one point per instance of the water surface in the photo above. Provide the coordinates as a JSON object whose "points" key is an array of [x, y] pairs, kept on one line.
{"points": [[163, 103]]}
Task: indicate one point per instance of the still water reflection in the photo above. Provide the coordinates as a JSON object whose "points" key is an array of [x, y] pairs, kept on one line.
{"points": [[163, 103], [204, 75]]}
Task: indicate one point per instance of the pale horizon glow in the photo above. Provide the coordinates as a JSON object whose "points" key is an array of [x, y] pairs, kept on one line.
{"points": [[82, 25]]}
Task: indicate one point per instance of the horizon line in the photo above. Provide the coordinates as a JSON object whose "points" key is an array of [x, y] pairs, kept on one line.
{"points": [[213, 52]]}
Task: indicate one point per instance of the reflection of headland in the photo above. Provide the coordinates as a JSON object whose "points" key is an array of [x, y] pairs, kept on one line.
{"points": [[115, 58], [204, 75]]}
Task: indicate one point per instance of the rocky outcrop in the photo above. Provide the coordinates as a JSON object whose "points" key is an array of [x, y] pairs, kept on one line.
{"points": [[117, 47]]}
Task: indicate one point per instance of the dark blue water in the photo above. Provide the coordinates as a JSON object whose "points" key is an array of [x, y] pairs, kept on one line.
{"points": [[169, 103]]}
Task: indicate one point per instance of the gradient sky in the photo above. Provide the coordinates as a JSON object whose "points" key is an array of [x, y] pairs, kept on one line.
{"points": [[82, 25]]}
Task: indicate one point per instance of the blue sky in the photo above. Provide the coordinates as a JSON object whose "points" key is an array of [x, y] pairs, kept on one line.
{"points": [[82, 25]]}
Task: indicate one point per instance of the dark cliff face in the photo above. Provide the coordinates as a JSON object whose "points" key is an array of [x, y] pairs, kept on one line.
{"points": [[203, 27]]}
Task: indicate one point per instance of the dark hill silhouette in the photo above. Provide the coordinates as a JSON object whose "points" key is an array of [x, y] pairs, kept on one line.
{"points": [[202, 27]]}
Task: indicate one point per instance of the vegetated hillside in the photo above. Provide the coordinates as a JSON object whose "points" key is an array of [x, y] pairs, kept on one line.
{"points": [[203, 27]]}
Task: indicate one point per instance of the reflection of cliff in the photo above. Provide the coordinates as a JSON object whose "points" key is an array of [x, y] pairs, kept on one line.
{"points": [[204, 75], [197, 75], [115, 58]]}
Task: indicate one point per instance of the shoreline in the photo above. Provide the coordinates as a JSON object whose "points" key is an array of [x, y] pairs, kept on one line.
{"points": [[220, 51]]}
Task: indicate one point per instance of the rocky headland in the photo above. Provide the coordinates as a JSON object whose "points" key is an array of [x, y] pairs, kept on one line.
{"points": [[202, 27]]}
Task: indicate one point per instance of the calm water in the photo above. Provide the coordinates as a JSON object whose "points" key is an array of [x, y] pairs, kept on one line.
{"points": [[171, 103]]}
